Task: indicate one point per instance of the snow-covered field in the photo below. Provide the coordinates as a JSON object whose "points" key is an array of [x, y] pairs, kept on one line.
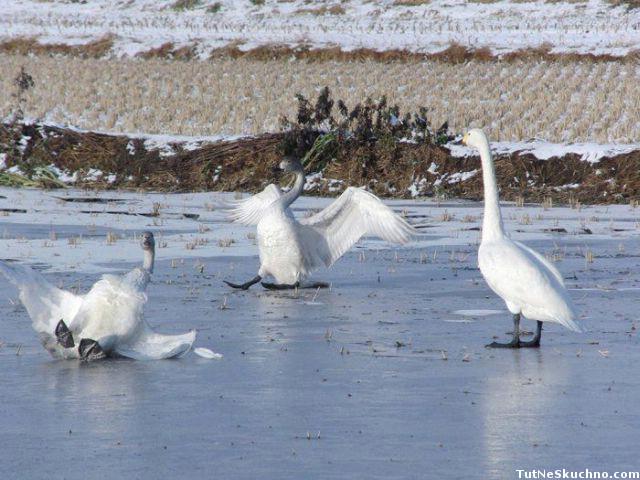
{"points": [[593, 26], [382, 376]]}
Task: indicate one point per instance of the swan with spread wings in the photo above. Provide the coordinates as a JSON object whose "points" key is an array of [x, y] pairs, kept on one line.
{"points": [[106, 321], [290, 249]]}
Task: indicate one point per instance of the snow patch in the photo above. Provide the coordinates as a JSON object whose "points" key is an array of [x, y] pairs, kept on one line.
{"points": [[589, 152]]}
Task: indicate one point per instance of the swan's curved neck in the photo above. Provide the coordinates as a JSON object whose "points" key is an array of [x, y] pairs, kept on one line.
{"points": [[291, 196], [492, 221], [149, 257]]}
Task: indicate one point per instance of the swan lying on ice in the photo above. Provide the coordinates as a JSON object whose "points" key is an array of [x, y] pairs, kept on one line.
{"points": [[106, 321], [528, 283], [290, 249]]}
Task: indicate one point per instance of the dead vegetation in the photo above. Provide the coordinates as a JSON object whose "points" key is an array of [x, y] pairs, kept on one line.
{"points": [[560, 102], [322, 10], [170, 51], [410, 3], [181, 5], [454, 53], [629, 4], [388, 170], [30, 46]]}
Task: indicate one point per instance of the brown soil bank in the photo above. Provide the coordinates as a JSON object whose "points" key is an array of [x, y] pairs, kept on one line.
{"points": [[394, 169], [454, 53]]}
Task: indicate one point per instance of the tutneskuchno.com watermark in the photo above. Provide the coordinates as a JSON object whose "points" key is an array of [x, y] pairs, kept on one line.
{"points": [[580, 474]]}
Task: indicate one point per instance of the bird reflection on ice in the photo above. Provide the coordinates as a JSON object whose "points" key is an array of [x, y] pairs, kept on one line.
{"points": [[521, 404], [99, 397]]}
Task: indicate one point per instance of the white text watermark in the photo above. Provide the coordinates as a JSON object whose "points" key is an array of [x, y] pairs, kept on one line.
{"points": [[586, 474]]}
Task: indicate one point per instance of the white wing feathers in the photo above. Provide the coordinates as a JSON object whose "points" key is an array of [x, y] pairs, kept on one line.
{"points": [[46, 304], [554, 271], [251, 210], [356, 213], [149, 345], [526, 280]]}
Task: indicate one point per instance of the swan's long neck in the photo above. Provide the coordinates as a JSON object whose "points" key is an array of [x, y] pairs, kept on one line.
{"points": [[149, 257], [291, 196], [492, 221]]}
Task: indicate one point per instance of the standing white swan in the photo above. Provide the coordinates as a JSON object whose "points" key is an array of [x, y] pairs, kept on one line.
{"points": [[291, 249], [106, 321], [528, 283]]}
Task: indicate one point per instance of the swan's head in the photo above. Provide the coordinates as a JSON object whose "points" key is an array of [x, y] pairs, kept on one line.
{"points": [[475, 138], [147, 242], [289, 164]]}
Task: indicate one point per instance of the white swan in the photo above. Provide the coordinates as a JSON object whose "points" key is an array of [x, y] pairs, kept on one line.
{"points": [[528, 283], [107, 320], [291, 249]]}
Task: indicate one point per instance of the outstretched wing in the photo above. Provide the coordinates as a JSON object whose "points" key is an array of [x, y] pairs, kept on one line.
{"points": [[251, 210], [354, 214], [149, 345], [45, 304]]}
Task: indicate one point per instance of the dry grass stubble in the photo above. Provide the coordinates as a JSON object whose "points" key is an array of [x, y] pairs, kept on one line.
{"points": [[559, 101]]}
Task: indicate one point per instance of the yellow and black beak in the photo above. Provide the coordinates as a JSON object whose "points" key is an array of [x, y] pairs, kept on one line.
{"points": [[465, 138]]}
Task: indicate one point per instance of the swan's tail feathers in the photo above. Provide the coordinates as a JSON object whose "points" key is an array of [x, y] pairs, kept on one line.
{"points": [[569, 319], [206, 353], [149, 345], [572, 325]]}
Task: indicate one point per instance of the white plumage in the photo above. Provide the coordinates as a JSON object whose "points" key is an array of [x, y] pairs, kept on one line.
{"points": [[111, 313], [290, 249], [528, 283]]}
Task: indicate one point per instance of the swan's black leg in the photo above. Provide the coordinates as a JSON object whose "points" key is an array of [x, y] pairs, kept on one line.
{"points": [[535, 342], [515, 341], [90, 350], [314, 285], [280, 286], [245, 285], [63, 335]]}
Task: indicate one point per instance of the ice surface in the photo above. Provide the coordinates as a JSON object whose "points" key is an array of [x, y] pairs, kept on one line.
{"points": [[370, 379]]}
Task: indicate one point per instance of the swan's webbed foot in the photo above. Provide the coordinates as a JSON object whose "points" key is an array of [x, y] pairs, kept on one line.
{"points": [[245, 285], [515, 341], [90, 350], [63, 335], [280, 286], [535, 341]]}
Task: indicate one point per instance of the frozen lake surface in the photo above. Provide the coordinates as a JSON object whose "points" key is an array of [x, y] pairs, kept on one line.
{"points": [[383, 376]]}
